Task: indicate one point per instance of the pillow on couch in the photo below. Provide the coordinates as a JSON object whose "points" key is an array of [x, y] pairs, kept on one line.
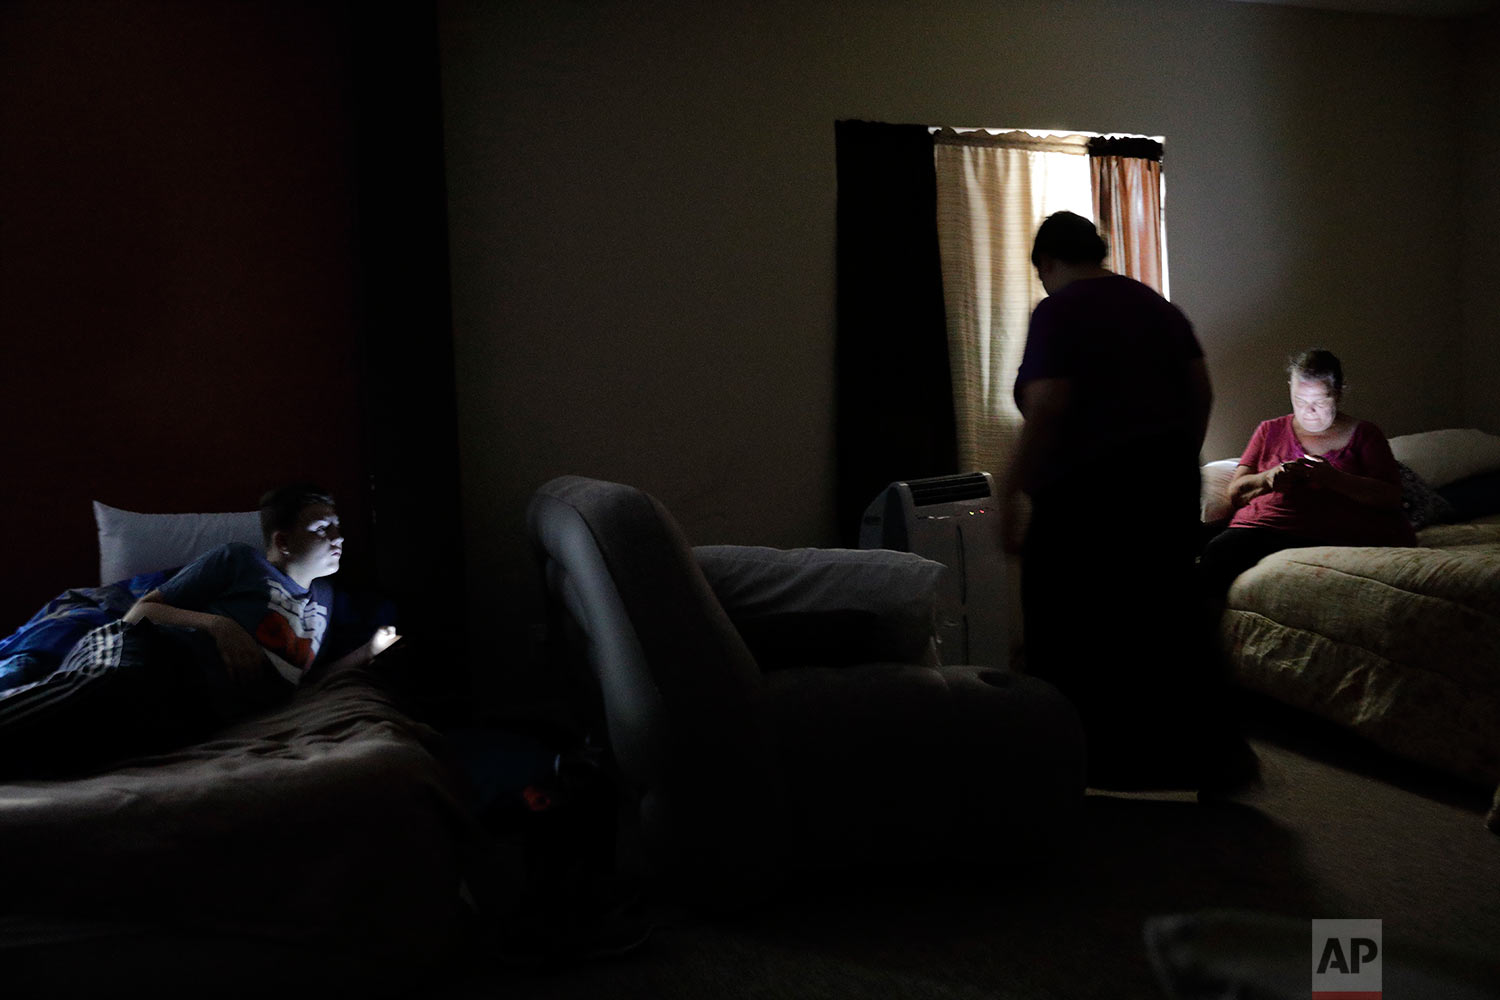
{"points": [[827, 607], [1446, 456], [131, 543], [1213, 505]]}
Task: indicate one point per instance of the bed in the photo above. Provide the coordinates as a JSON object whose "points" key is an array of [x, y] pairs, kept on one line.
{"points": [[318, 845], [1399, 645]]}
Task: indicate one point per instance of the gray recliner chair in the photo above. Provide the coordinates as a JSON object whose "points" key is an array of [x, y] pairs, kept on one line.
{"points": [[837, 740]]}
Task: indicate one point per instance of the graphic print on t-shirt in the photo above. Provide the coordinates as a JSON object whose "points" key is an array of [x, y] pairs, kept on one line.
{"points": [[293, 626]]}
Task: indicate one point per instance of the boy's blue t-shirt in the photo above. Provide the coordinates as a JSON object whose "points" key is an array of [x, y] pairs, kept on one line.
{"points": [[235, 580]]}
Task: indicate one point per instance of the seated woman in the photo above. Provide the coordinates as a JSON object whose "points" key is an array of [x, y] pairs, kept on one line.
{"points": [[1313, 477]]}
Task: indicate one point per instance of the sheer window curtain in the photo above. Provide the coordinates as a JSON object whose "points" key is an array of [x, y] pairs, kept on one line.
{"points": [[992, 192]]}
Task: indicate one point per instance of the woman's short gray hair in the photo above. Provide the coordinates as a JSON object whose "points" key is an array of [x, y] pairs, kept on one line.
{"points": [[1317, 365]]}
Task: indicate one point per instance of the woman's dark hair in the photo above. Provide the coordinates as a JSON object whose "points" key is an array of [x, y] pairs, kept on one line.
{"points": [[1317, 365], [279, 507], [1069, 238]]}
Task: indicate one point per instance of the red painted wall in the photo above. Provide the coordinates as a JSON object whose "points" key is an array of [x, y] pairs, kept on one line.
{"points": [[178, 307]]}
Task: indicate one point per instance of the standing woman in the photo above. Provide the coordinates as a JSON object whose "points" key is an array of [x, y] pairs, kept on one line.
{"points": [[1116, 398], [1317, 476]]}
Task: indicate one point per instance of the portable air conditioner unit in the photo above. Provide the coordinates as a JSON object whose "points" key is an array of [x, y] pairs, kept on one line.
{"points": [[954, 520]]}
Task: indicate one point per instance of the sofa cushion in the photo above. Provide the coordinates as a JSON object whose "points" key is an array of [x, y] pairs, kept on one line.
{"points": [[893, 760]]}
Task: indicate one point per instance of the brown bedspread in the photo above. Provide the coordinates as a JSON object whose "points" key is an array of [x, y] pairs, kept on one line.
{"points": [[326, 835]]}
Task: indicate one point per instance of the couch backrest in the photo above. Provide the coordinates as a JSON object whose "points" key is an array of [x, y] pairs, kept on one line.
{"points": [[680, 688]]}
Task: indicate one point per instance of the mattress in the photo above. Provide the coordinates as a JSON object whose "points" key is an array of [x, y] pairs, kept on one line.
{"points": [[1400, 645], [321, 844]]}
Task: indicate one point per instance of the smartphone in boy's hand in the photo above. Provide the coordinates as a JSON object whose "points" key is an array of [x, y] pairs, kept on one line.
{"points": [[384, 638]]}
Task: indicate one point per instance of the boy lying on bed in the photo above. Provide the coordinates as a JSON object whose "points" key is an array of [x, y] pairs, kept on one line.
{"points": [[267, 611], [230, 634]]}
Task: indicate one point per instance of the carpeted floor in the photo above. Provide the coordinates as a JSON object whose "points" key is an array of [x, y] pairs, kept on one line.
{"points": [[1336, 831]]}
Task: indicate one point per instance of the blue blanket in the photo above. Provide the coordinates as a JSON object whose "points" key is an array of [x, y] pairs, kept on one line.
{"points": [[37, 647]]}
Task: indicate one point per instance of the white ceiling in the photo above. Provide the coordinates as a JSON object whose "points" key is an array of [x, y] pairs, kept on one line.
{"points": [[1420, 8]]}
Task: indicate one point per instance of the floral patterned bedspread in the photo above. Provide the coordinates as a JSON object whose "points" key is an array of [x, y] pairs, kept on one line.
{"points": [[1401, 645]]}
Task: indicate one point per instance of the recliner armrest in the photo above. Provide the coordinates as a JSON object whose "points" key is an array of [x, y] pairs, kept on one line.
{"points": [[827, 607]]}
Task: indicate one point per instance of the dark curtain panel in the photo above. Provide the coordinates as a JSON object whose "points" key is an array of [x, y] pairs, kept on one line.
{"points": [[894, 389], [411, 422]]}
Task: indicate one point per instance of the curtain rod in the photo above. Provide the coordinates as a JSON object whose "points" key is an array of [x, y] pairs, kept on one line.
{"points": [[1081, 143]]}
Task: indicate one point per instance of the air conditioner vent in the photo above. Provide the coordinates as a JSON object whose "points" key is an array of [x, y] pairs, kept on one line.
{"points": [[949, 489]]}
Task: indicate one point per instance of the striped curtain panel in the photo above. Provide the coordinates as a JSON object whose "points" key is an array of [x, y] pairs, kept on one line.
{"points": [[1128, 197]]}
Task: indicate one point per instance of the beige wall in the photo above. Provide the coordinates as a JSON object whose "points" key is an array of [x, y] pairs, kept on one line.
{"points": [[1480, 97], [642, 220]]}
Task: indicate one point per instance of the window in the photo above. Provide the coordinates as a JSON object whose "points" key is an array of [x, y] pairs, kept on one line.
{"points": [[993, 189]]}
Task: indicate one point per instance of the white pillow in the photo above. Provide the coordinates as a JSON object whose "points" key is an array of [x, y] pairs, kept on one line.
{"points": [[131, 543], [800, 607], [1213, 505], [1446, 456]]}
